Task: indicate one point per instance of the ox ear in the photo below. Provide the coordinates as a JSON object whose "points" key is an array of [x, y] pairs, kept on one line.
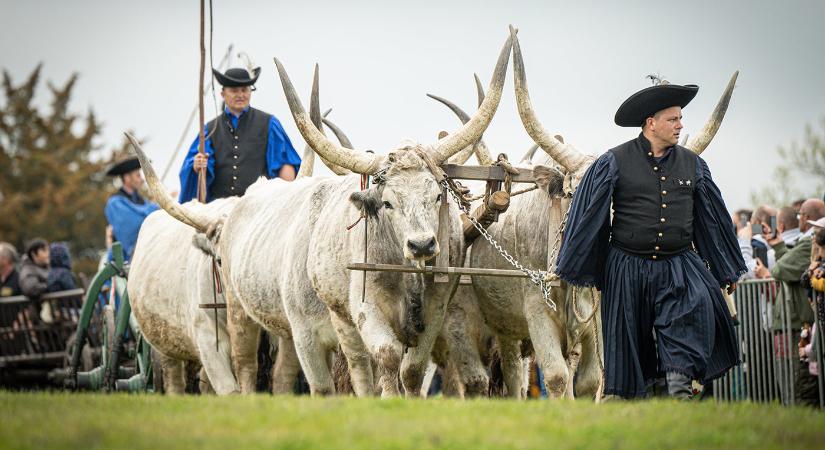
{"points": [[550, 180], [369, 201]]}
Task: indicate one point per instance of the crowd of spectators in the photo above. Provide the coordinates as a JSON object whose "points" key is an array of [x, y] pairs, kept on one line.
{"points": [[788, 246], [43, 268]]}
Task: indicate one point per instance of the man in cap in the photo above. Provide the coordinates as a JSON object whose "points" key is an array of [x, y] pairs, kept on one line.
{"points": [[661, 262], [242, 144], [126, 209]]}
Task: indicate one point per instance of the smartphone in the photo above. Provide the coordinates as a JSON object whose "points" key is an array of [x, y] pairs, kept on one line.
{"points": [[743, 220], [756, 228]]}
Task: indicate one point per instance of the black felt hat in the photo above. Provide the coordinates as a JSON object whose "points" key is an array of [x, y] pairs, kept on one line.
{"points": [[123, 167], [237, 77], [647, 102]]}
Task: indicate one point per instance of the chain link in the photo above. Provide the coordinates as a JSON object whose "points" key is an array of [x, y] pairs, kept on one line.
{"points": [[537, 277]]}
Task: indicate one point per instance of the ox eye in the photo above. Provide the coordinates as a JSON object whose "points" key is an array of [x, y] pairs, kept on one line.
{"points": [[387, 205]]}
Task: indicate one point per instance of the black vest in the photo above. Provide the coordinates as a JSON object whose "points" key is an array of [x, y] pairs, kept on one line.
{"points": [[653, 201], [240, 154]]}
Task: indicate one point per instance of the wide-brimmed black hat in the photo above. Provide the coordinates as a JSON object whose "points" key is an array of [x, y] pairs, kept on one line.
{"points": [[123, 167], [237, 77], [647, 102]]}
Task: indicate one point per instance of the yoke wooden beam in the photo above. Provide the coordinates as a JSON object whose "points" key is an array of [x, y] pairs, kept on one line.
{"points": [[486, 173], [437, 270]]}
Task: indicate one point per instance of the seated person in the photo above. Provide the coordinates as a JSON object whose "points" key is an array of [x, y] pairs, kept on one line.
{"points": [[60, 272], [9, 278], [34, 270]]}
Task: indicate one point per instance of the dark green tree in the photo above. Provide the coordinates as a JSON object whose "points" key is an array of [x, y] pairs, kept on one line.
{"points": [[52, 182]]}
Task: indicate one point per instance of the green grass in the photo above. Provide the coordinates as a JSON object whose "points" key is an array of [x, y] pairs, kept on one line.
{"points": [[87, 421]]}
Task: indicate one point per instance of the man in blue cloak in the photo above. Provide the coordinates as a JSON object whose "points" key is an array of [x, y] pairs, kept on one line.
{"points": [[126, 209], [242, 144], [662, 260]]}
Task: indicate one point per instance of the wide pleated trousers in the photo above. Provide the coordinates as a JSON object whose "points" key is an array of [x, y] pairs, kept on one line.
{"points": [[663, 316]]}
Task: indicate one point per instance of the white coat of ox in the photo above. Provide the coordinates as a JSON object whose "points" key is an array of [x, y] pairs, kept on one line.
{"points": [[284, 246]]}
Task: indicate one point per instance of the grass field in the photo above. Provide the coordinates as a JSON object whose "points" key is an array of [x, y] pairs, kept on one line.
{"points": [[87, 421]]}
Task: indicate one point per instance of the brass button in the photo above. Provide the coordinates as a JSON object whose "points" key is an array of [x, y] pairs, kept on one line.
{"points": [[664, 205], [235, 178], [664, 192], [656, 248], [662, 220], [235, 167], [232, 188], [660, 234], [649, 153], [656, 169], [236, 147], [235, 156], [236, 138], [654, 256], [663, 178]]}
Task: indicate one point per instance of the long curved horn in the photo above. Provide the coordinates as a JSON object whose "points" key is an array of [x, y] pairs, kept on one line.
{"points": [[479, 89], [480, 148], [699, 143], [565, 154], [355, 160], [308, 159], [317, 120], [474, 128], [339, 134], [528, 157], [158, 193]]}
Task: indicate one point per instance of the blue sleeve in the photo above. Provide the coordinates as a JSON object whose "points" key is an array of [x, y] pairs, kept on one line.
{"points": [[713, 230], [126, 219], [188, 177], [583, 251], [279, 150]]}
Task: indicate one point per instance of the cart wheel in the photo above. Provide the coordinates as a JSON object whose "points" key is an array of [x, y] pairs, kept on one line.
{"points": [[110, 366], [86, 361], [157, 372]]}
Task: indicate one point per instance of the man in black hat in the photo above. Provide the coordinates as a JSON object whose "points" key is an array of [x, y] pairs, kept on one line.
{"points": [[126, 209], [242, 145], [661, 262]]}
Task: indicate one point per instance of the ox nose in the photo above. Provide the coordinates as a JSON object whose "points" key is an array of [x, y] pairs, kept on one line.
{"points": [[422, 247]]}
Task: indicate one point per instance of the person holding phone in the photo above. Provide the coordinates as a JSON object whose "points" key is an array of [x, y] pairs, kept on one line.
{"points": [[791, 264]]}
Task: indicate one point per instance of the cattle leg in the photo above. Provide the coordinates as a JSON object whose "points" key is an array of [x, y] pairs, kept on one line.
{"points": [[174, 375], [465, 359], [587, 377], [357, 355], [286, 367], [547, 343], [382, 343], [204, 384], [215, 361], [244, 336], [313, 357], [416, 359], [511, 367]]}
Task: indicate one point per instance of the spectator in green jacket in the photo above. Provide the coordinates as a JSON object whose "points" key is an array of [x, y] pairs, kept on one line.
{"points": [[791, 309]]}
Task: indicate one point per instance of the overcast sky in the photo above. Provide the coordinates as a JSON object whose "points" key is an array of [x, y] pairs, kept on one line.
{"points": [[138, 66]]}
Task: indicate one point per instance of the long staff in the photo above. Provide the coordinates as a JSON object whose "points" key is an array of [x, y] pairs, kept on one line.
{"points": [[222, 65], [201, 136]]}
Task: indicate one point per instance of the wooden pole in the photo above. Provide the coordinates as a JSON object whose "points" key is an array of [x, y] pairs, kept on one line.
{"points": [[201, 137]]}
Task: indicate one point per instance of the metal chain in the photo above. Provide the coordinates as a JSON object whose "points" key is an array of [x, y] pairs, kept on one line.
{"points": [[537, 277], [554, 251]]}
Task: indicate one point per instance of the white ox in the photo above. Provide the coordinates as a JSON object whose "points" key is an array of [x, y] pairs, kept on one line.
{"points": [[170, 277], [284, 246], [514, 309]]}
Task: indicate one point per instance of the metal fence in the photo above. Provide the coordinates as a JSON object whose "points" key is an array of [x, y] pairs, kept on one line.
{"points": [[770, 358]]}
